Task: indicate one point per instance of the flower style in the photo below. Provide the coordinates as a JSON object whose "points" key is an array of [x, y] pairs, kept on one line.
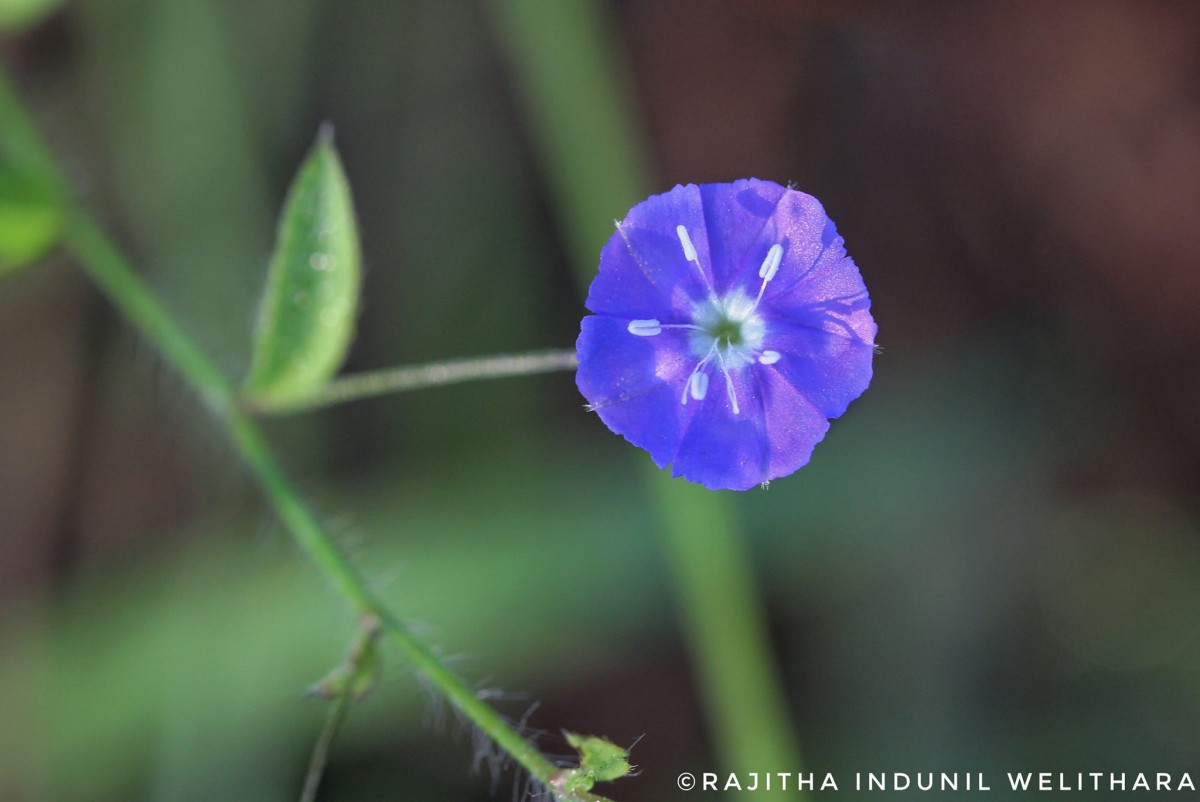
{"points": [[729, 326]]}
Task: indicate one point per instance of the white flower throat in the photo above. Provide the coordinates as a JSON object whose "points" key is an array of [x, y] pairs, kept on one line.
{"points": [[726, 331]]}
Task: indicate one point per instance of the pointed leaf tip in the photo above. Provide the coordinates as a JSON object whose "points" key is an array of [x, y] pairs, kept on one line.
{"points": [[307, 313]]}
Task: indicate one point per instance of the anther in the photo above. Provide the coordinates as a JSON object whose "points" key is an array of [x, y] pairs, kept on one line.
{"points": [[697, 382], [770, 265], [689, 253], [645, 328], [769, 358], [689, 250]]}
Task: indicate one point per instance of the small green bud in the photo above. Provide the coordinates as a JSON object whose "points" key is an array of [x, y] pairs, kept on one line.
{"points": [[600, 760]]}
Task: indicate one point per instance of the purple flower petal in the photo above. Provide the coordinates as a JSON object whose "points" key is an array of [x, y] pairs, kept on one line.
{"points": [[745, 218], [643, 270], [730, 326], [829, 369], [635, 383]]}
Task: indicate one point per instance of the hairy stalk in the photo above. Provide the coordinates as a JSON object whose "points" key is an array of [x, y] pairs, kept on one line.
{"points": [[109, 270], [112, 273], [418, 377]]}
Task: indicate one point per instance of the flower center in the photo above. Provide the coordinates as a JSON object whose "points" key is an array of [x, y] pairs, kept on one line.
{"points": [[727, 333], [727, 330], [731, 326]]}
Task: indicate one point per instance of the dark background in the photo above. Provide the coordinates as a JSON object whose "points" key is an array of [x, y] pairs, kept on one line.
{"points": [[992, 563]]}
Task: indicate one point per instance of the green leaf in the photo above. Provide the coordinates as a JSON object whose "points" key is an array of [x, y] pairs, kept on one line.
{"points": [[307, 315], [31, 217], [18, 14]]}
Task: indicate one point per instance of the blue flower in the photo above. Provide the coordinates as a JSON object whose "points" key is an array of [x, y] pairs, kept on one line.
{"points": [[729, 326]]}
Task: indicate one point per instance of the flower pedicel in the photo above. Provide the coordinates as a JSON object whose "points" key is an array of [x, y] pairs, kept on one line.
{"points": [[729, 326]]}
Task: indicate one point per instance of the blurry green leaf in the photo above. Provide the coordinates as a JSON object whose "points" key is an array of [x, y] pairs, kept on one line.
{"points": [[17, 14], [31, 217], [308, 308], [31, 196]]}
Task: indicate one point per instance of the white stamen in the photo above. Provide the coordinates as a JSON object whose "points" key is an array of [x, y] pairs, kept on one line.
{"points": [[645, 328], [770, 265], [688, 386], [699, 386], [689, 250], [769, 358]]}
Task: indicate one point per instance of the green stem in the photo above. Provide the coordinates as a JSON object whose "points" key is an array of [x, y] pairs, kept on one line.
{"points": [[714, 578], [467, 702], [345, 684], [112, 273], [110, 270], [320, 755], [418, 377]]}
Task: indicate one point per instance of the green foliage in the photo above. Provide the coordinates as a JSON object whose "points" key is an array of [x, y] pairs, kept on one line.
{"points": [[31, 217], [18, 14], [599, 761], [307, 315]]}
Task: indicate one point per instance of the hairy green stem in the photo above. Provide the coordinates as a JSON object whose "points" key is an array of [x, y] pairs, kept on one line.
{"points": [[358, 386], [109, 270], [112, 273], [106, 266]]}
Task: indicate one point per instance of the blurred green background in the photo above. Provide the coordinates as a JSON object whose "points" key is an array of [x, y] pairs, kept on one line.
{"points": [[992, 563]]}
